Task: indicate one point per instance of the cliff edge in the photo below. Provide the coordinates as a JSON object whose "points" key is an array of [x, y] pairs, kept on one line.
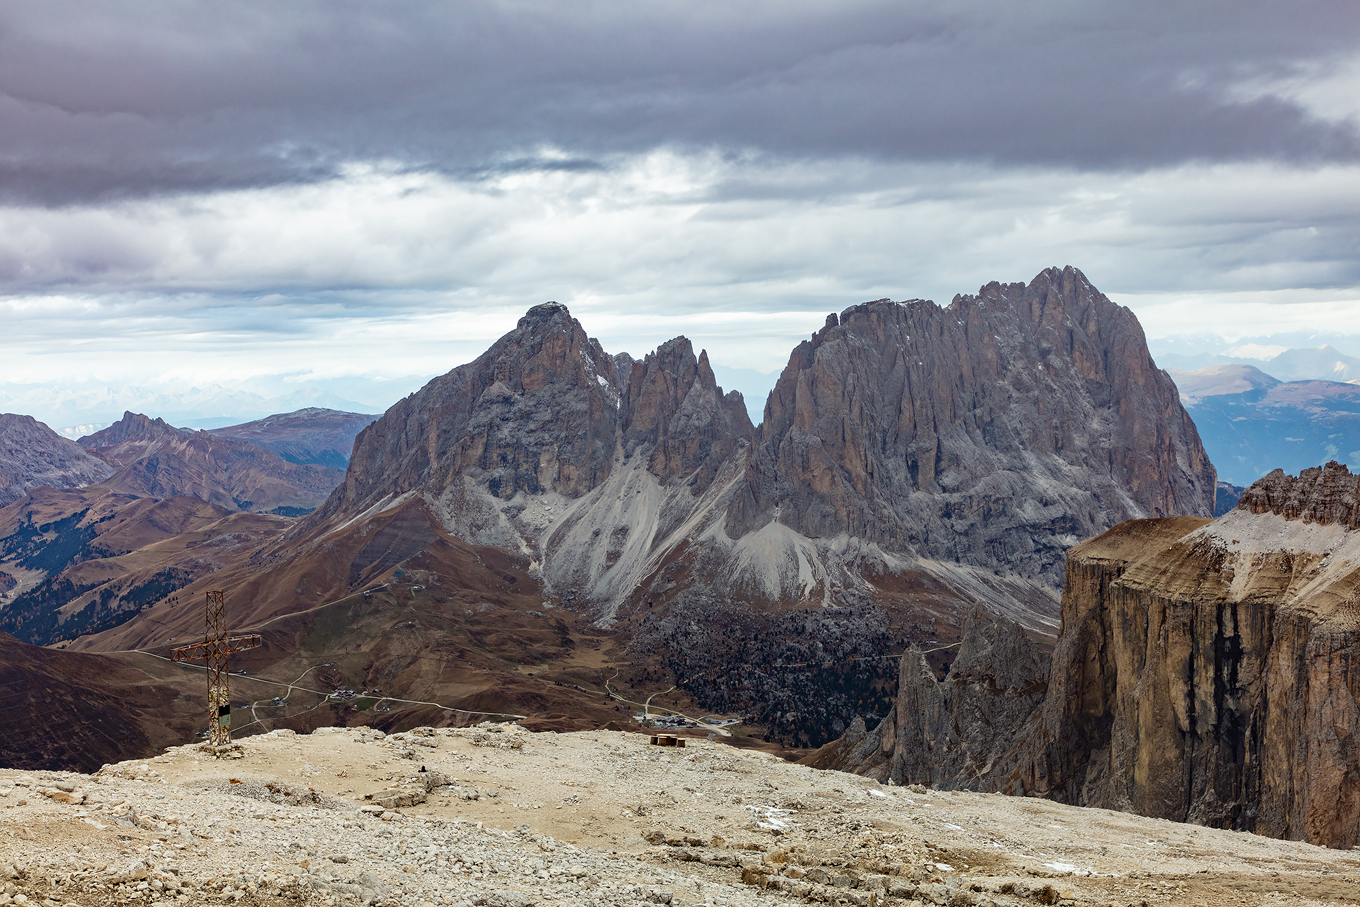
{"points": [[1205, 672]]}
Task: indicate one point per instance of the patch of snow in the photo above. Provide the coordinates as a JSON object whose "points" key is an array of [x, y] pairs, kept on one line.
{"points": [[771, 818]]}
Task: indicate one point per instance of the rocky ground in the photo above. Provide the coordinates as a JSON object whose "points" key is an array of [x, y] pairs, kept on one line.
{"points": [[499, 816]]}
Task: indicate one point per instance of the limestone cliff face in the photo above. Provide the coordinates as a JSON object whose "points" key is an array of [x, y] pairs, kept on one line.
{"points": [[1222, 657], [1204, 673], [997, 431], [676, 410]]}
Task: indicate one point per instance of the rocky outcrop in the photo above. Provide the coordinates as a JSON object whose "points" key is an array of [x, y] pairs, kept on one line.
{"points": [[982, 437], [545, 411], [997, 431], [1324, 495], [153, 459], [547, 446], [949, 733], [676, 410], [1204, 673], [31, 454], [320, 437]]}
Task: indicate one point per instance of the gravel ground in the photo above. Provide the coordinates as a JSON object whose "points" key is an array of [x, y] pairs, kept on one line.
{"points": [[502, 817]]}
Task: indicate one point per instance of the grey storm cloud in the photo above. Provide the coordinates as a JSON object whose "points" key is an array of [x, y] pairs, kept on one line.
{"points": [[100, 101]]}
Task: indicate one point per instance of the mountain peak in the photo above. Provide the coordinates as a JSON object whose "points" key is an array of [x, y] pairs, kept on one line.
{"points": [[132, 427], [552, 314], [884, 422], [32, 454]]}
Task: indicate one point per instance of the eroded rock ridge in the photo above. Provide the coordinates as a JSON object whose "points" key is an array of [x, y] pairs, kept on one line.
{"points": [[997, 431], [990, 434], [1204, 673]]}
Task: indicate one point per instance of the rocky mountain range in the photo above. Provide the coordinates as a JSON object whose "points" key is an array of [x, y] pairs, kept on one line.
{"points": [[1252, 423], [1203, 674], [74, 408], [31, 454], [1323, 363], [153, 459], [320, 437], [990, 434], [567, 534], [1288, 356], [914, 461], [145, 511]]}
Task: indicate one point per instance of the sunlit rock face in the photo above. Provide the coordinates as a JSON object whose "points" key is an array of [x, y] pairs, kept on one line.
{"points": [[1205, 672]]}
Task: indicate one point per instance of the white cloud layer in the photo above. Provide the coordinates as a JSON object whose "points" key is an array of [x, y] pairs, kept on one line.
{"points": [[387, 271]]}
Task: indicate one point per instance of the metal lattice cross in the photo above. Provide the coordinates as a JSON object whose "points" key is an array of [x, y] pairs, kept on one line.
{"points": [[215, 648]]}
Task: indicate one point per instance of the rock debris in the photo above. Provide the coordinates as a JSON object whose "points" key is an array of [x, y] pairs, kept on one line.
{"points": [[496, 816]]}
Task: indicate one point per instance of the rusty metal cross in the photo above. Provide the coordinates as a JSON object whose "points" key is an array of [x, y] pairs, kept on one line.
{"points": [[215, 648]]}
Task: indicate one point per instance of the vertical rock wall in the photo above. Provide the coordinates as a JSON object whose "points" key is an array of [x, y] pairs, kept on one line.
{"points": [[997, 431], [1205, 672]]}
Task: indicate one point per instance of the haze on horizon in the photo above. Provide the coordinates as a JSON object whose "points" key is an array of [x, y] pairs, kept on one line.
{"points": [[343, 190]]}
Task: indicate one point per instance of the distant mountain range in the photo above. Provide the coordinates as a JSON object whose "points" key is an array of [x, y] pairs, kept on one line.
{"points": [[913, 461], [1252, 422], [156, 460], [312, 436], [78, 408], [1295, 356], [93, 531]]}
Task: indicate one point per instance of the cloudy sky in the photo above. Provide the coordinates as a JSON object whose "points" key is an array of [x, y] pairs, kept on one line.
{"points": [[211, 192]]}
